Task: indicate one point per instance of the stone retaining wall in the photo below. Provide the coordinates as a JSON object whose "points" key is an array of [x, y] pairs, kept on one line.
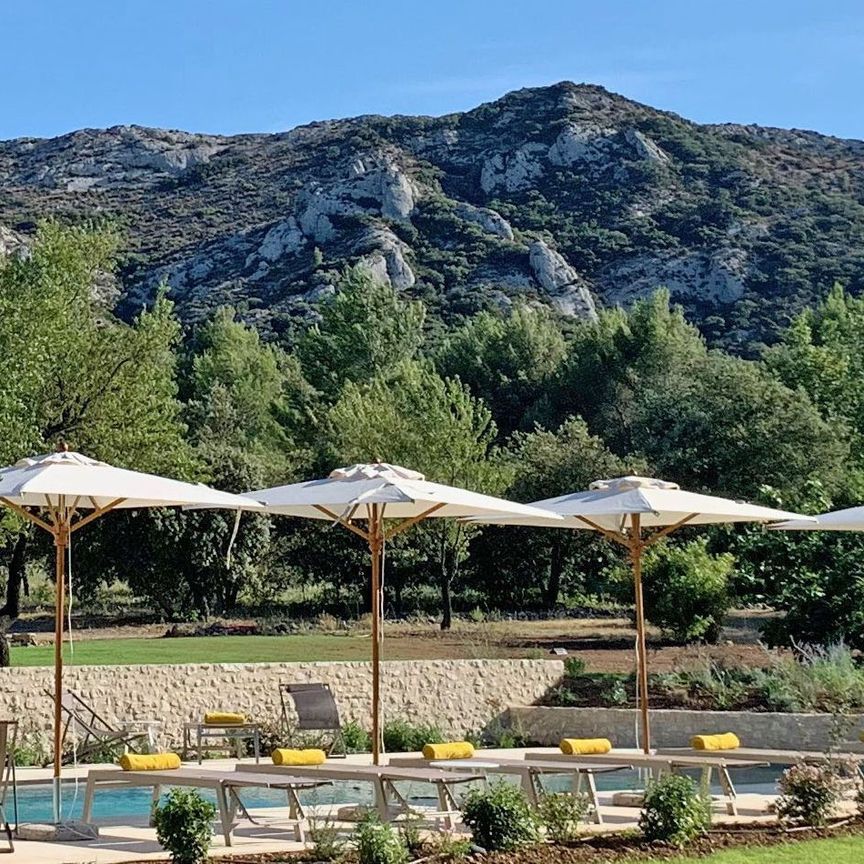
{"points": [[673, 728], [458, 695]]}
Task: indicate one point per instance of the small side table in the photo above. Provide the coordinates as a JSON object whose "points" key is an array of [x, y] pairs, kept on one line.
{"points": [[197, 735]]}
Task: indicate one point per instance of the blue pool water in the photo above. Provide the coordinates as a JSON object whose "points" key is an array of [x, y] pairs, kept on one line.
{"points": [[121, 806]]}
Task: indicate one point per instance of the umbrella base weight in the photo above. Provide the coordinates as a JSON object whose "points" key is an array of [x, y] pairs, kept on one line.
{"points": [[61, 832]]}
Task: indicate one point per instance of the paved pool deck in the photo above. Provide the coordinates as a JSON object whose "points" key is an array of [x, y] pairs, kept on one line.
{"points": [[137, 842]]}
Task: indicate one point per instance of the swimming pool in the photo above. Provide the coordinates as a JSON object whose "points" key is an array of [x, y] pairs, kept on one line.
{"points": [[122, 806]]}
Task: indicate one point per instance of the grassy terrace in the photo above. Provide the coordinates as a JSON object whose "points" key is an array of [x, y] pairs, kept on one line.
{"points": [[604, 644], [242, 649]]}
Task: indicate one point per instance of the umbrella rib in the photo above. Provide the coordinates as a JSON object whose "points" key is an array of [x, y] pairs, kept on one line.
{"points": [[609, 535], [26, 514], [343, 522], [659, 535], [99, 511], [407, 523]]}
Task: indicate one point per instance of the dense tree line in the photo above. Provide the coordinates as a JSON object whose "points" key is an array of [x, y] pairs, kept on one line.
{"points": [[511, 404]]}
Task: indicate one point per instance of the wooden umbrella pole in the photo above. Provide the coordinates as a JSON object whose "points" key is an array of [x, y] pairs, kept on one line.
{"points": [[636, 555], [375, 550], [61, 541]]}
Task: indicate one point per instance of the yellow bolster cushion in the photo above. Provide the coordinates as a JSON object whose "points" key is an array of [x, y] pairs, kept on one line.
{"points": [[585, 746], [723, 741], [149, 761], [449, 750], [223, 718], [286, 756]]}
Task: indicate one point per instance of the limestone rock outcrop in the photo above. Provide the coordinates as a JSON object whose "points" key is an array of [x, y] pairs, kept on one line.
{"points": [[566, 289], [512, 172], [490, 221], [718, 276], [384, 255]]}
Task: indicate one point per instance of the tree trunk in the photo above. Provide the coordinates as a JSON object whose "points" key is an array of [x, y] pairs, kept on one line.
{"points": [[446, 600], [397, 585], [556, 565], [17, 563], [444, 583], [12, 607]]}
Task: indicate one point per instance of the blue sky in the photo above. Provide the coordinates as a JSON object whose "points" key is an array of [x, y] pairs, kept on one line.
{"points": [[254, 65]]}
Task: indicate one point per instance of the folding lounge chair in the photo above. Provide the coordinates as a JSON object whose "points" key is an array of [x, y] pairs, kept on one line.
{"points": [[92, 731], [315, 710]]}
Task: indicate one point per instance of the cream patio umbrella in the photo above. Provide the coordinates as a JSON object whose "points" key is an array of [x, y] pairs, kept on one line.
{"points": [[361, 498], [62, 492], [623, 510], [851, 519]]}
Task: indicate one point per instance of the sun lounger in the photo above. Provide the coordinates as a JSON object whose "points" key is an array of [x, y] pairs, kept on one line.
{"points": [[225, 784], [776, 757], [659, 764], [389, 802], [529, 772]]}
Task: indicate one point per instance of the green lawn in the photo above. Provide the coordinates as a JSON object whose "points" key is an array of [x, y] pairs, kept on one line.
{"points": [[200, 649], [842, 850], [246, 649]]}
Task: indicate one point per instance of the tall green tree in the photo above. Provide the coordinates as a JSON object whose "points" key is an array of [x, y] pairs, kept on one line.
{"points": [[365, 330], [612, 363], [413, 417], [545, 464], [729, 427], [249, 396], [822, 353], [248, 404], [506, 361], [69, 368]]}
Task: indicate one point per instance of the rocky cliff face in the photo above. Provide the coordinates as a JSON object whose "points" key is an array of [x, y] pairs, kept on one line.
{"points": [[567, 195]]}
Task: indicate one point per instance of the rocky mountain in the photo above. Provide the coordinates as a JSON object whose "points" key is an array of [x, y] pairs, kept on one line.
{"points": [[566, 195]]}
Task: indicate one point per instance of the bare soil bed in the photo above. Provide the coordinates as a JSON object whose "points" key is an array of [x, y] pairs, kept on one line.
{"points": [[610, 847]]}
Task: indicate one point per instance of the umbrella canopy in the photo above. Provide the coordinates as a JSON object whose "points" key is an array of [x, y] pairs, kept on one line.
{"points": [[851, 519], [621, 509], [370, 494], [87, 484], [401, 493], [610, 505], [64, 491]]}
